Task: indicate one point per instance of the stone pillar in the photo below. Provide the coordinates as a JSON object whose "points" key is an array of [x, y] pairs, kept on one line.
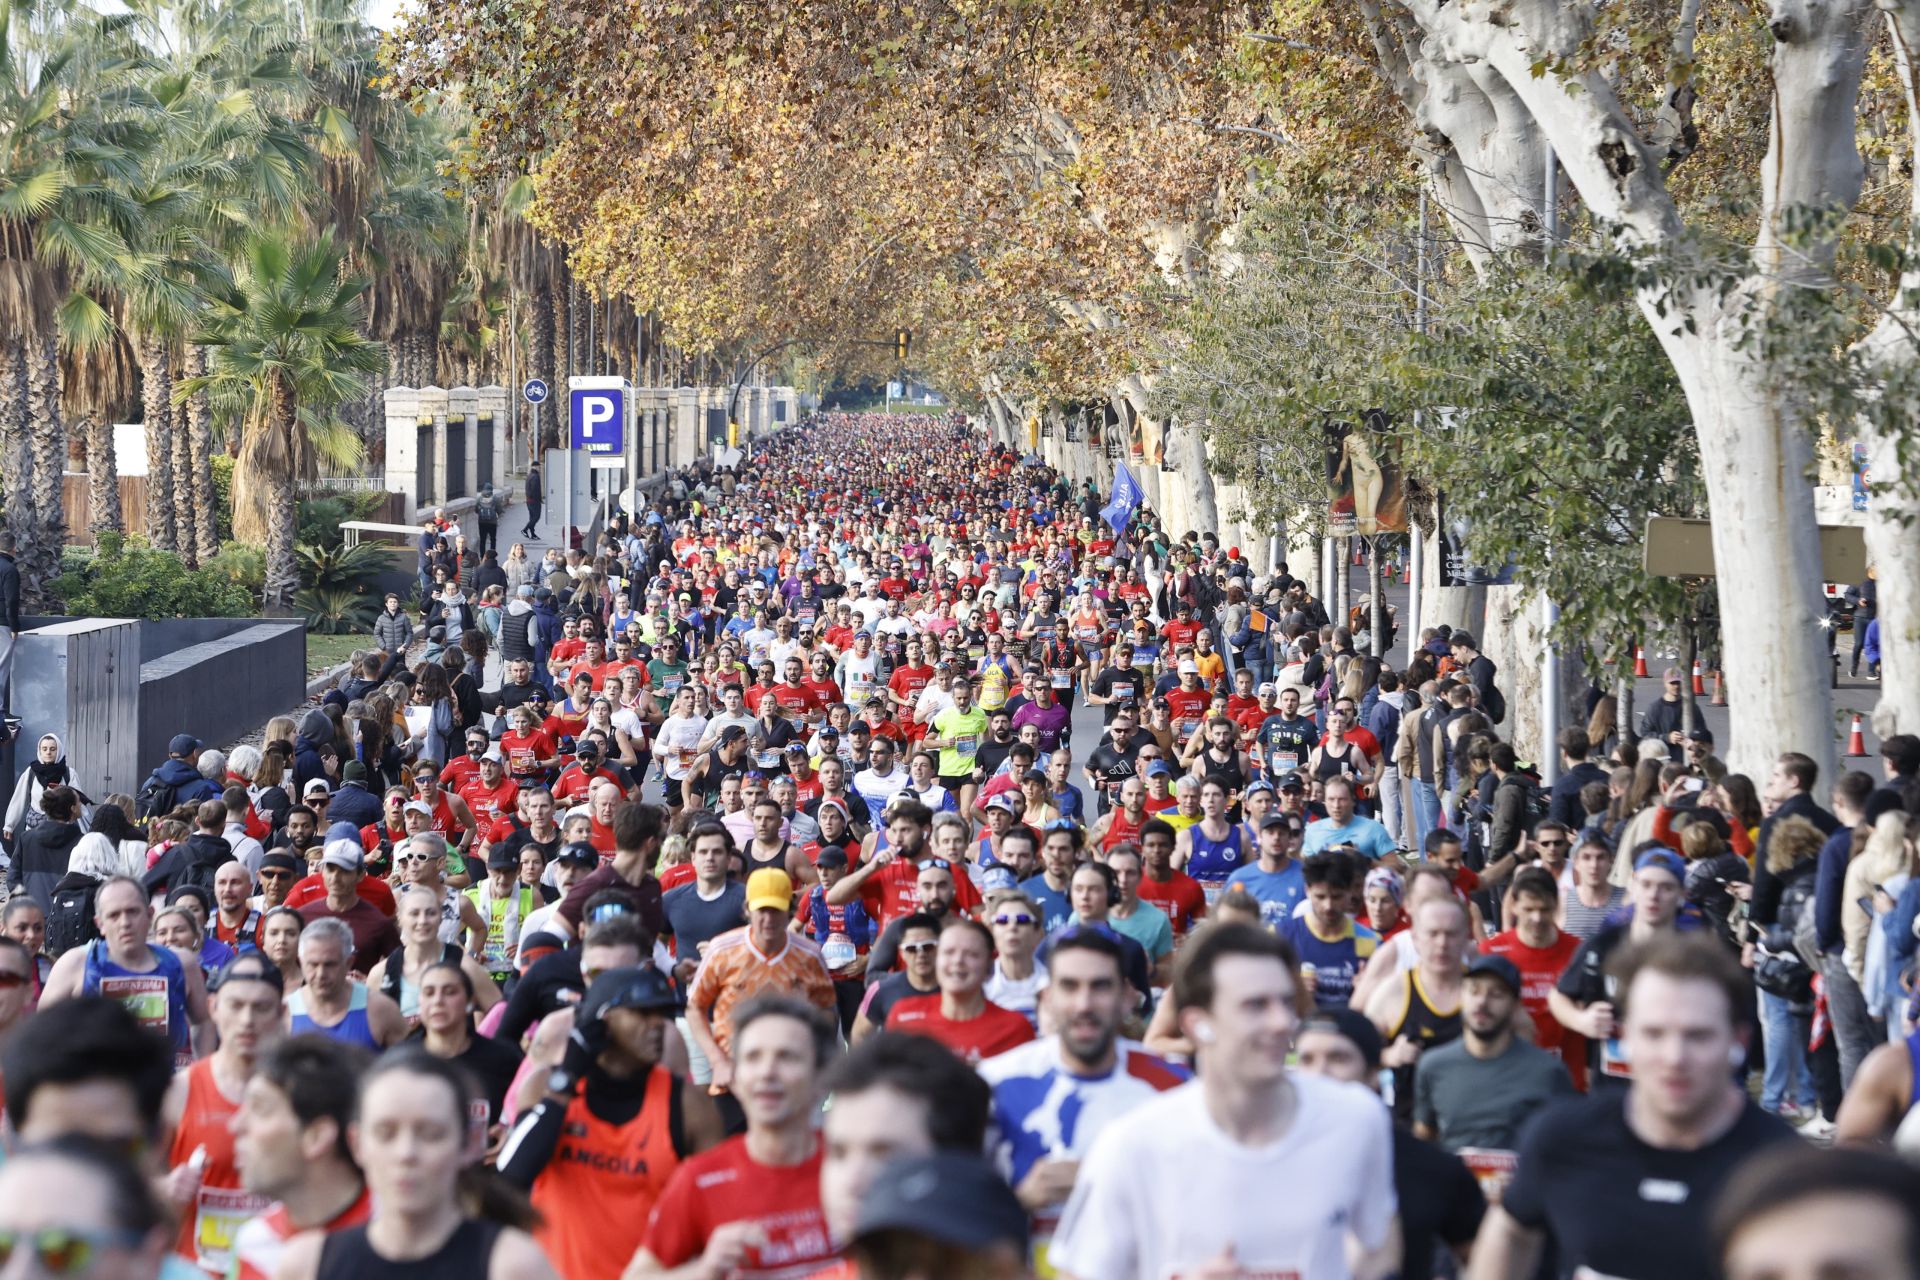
{"points": [[684, 434], [402, 406], [433, 412], [463, 403], [493, 405]]}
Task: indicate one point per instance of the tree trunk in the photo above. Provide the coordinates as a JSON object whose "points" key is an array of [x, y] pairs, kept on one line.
{"points": [[156, 391], [200, 491], [1755, 456], [542, 358], [103, 476], [187, 514], [16, 443], [282, 515], [40, 563]]}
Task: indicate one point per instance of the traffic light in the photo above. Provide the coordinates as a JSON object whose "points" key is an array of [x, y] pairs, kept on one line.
{"points": [[733, 435], [902, 343]]}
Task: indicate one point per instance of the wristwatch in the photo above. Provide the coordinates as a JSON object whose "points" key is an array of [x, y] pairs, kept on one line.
{"points": [[559, 1081]]}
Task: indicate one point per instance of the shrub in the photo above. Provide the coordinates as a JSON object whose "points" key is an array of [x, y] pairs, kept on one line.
{"points": [[336, 611], [339, 567], [320, 515], [123, 580], [241, 563]]}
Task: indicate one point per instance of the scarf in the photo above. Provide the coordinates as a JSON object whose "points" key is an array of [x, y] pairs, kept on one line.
{"points": [[51, 775]]}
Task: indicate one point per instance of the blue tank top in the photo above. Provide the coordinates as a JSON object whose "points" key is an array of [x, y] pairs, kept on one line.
{"points": [[353, 1029], [1212, 861], [157, 998]]}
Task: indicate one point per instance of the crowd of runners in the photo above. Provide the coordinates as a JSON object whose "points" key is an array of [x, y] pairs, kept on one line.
{"points": [[888, 859]]}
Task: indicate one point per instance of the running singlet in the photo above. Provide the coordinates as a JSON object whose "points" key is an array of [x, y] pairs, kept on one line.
{"points": [[263, 1238], [503, 917], [1334, 962], [348, 1255], [157, 998], [1122, 829], [995, 675], [1042, 1111], [353, 1028], [1426, 1026], [1211, 861], [602, 1182], [221, 1205]]}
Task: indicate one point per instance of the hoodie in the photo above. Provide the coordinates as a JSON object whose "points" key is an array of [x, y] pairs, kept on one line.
{"points": [[192, 861], [316, 731]]}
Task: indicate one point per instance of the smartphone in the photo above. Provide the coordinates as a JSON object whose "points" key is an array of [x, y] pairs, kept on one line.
{"points": [[1865, 904], [1695, 784]]}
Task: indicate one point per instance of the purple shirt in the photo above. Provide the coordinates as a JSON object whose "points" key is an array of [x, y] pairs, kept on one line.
{"points": [[1051, 720]]}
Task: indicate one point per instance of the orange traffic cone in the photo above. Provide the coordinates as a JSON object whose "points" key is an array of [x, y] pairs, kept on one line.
{"points": [[1699, 683], [1639, 663], [1357, 545], [1406, 574], [1719, 690], [1856, 741]]}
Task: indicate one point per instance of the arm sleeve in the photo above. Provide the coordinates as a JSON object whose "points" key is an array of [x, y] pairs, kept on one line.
{"points": [[1524, 1196], [521, 1012], [535, 1137], [1829, 893]]}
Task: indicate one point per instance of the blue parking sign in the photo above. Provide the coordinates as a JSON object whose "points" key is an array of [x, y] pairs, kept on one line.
{"points": [[600, 420]]}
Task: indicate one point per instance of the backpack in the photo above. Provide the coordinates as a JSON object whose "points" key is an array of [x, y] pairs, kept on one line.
{"points": [[486, 508], [70, 918], [156, 798]]}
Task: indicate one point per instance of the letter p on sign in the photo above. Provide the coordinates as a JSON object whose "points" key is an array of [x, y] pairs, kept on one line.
{"points": [[599, 420]]}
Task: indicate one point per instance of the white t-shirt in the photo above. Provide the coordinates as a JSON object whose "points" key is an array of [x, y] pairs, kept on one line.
{"points": [[1331, 1175], [1022, 995], [677, 744]]}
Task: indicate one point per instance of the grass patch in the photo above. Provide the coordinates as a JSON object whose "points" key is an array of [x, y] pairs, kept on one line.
{"points": [[325, 651]]}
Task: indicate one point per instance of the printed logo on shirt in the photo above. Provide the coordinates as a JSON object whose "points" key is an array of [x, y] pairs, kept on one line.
{"points": [[1663, 1191]]}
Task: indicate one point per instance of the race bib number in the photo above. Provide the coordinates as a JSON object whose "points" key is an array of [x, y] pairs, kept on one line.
{"points": [[1186, 727], [766, 759], [1493, 1169], [218, 1215], [684, 756], [1613, 1059], [1062, 680], [1285, 761], [145, 997], [523, 759], [967, 744]]}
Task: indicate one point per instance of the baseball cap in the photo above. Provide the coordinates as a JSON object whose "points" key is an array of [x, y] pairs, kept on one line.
{"points": [[830, 857], [1266, 690], [1001, 800], [1662, 858], [1189, 668], [500, 857], [492, 756], [1352, 1024], [1156, 768], [953, 1197], [182, 744], [1495, 966], [318, 786], [1258, 784], [769, 887], [343, 853], [1273, 820], [1292, 782], [637, 987], [1701, 734], [281, 861], [998, 878], [418, 806]]}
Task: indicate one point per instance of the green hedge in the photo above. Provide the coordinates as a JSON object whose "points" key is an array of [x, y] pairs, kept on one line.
{"points": [[132, 580]]}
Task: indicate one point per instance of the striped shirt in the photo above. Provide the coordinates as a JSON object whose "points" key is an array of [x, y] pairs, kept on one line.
{"points": [[734, 970]]}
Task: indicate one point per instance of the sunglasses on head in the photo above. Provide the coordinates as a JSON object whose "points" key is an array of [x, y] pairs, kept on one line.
{"points": [[607, 911]]}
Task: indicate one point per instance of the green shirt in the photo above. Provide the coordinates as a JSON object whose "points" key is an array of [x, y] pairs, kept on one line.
{"points": [[964, 731]]}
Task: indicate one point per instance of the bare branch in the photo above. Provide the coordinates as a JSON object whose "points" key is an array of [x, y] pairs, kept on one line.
{"points": [[1674, 133]]}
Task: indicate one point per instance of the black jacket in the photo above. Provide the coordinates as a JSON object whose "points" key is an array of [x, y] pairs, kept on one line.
{"points": [[1564, 806], [9, 593], [1765, 907], [192, 861], [40, 858]]}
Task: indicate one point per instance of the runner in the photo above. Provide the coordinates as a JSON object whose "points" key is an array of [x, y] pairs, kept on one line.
{"points": [[162, 987]]}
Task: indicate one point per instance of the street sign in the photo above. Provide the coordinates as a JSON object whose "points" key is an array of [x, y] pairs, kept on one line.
{"points": [[600, 420], [1681, 548], [600, 462], [535, 391]]}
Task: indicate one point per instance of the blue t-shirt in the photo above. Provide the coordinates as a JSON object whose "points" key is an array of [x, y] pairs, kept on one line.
{"points": [[1364, 834], [1336, 961], [1278, 891], [1055, 910]]}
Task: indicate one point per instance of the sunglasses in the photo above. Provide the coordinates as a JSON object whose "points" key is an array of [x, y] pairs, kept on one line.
{"points": [[915, 948], [607, 911], [66, 1251], [1019, 917], [276, 875], [408, 858], [1551, 844]]}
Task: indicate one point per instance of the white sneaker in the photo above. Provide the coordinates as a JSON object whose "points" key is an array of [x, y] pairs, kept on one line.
{"points": [[1817, 1129]]}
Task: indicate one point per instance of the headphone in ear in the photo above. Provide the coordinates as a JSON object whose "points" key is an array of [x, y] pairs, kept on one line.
{"points": [[1204, 1033], [1736, 1056]]}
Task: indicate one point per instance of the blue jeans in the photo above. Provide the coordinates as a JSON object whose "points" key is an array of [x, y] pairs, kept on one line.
{"points": [[1786, 1056], [1426, 812]]}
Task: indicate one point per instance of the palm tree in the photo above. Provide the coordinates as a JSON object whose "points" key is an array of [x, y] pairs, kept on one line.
{"points": [[285, 350]]}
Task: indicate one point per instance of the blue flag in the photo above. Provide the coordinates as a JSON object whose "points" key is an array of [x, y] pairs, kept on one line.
{"points": [[1126, 499]]}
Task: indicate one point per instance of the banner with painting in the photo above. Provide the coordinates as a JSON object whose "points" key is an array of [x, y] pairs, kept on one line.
{"points": [[1366, 490]]}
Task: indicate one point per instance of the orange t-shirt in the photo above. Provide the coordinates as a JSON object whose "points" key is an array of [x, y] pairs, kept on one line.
{"points": [[221, 1205]]}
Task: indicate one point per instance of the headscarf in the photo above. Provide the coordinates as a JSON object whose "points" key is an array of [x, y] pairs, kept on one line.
{"points": [[55, 774]]}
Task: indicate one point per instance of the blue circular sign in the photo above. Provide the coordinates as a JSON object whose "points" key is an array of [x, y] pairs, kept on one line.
{"points": [[535, 390]]}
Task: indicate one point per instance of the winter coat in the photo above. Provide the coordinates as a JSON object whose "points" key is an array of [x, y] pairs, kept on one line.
{"points": [[393, 631], [191, 861], [40, 858]]}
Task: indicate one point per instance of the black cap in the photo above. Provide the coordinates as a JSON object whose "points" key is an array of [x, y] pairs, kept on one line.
{"points": [[500, 857], [1496, 967], [1702, 734], [830, 857], [953, 1197], [1292, 782], [280, 860], [639, 987], [580, 852], [1352, 1024]]}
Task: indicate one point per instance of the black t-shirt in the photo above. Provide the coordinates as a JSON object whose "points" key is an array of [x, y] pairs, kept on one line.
{"points": [[993, 754], [550, 983], [1440, 1203], [1278, 737], [1131, 687], [886, 993], [493, 1065], [523, 837], [1611, 1203]]}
